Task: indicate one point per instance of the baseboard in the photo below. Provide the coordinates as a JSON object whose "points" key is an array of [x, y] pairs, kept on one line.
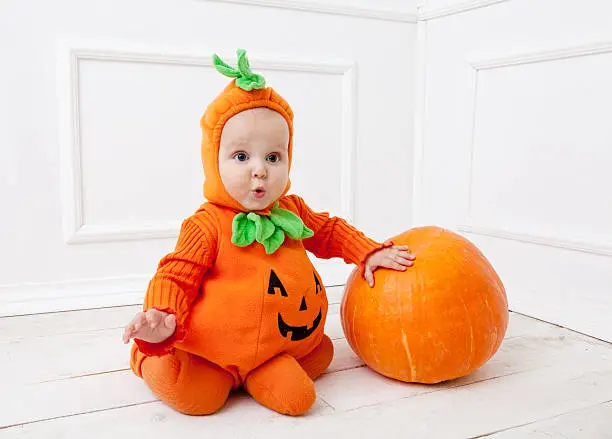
{"points": [[38, 298]]}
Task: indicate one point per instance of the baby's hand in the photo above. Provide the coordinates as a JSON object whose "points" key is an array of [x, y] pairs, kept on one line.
{"points": [[397, 257], [153, 326]]}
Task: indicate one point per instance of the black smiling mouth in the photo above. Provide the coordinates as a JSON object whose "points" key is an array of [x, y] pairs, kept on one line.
{"points": [[297, 332]]}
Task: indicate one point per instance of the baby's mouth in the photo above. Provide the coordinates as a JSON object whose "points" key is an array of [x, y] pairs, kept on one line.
{"points": [[259, 192]]}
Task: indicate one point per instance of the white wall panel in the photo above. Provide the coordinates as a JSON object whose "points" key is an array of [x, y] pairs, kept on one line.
{"points": [[540, 151], [130, 131]]}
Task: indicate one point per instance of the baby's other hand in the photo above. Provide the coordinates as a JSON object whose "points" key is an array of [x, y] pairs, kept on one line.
{"points": [[153, 326], [397, 257]]}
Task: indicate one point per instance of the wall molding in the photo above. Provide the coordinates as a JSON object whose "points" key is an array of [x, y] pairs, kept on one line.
{"points": [[597, 48], [426, 13], [539, 239], [87, 234], [76, 231], [326, 8], [593, 246], [419, 125]]}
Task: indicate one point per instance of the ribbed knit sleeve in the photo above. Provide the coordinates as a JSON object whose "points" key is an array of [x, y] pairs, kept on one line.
{"points": [[178, 278], [334, 237]]}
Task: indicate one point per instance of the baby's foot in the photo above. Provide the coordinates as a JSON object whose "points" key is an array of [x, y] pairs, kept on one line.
{"points": [[153, 326], [282, 385]]}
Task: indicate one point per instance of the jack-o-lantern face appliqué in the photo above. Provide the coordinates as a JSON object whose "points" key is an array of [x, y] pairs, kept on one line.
{"points": [[297, 332]]}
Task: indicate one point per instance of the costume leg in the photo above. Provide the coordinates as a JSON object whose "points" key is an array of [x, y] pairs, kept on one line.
{"points": [[318, 359], [281, 385], [186, 382]]}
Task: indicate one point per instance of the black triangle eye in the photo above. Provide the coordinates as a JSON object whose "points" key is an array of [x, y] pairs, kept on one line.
{"points": [[317, 283], [275, 283]]}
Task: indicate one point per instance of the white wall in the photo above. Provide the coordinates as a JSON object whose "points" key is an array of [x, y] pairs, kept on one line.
{"points": [[513, 147], [99, 129]]}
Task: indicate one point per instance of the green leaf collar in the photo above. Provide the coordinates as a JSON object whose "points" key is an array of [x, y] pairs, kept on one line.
{"points": [[268, 231]]}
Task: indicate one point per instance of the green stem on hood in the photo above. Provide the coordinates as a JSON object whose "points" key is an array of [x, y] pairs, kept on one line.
{"points": [[245, 78]]}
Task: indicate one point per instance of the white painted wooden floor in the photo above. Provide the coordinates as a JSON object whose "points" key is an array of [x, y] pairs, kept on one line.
{"points": [[65, 375]]}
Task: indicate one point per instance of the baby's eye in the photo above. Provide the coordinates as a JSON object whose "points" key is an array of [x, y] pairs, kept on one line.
{"points": [[241, 156], [273, 158]]}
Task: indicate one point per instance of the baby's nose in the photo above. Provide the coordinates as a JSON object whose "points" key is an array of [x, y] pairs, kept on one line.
{"points": [[259, 172]]}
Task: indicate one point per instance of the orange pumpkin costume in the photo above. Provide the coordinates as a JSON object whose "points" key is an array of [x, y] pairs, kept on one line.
{"points": [[244, 317]]}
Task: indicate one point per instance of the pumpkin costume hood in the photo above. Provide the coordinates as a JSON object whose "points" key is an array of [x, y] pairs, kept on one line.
{"points": [[246, 91]]}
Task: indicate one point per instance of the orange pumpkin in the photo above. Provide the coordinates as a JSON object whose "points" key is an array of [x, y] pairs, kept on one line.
{"points": [[440, 319]]}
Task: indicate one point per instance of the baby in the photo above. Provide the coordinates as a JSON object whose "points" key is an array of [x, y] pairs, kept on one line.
{"points": [[238, 302]]}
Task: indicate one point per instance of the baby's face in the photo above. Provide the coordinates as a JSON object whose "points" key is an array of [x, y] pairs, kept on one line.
{"points": [[253, 157]]}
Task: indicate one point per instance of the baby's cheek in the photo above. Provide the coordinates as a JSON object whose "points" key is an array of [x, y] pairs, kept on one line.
{"points": [[235, 180], [280, 178]]}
